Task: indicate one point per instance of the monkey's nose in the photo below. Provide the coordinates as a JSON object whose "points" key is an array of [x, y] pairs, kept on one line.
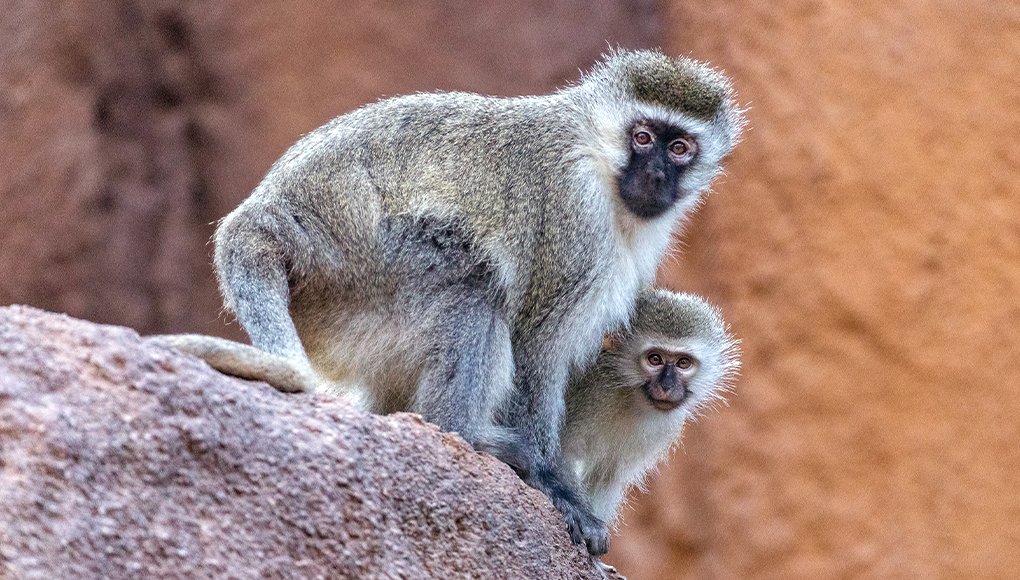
{"points": [[669, 379]]}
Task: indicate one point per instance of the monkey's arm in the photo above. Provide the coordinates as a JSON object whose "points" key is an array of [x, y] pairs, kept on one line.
{"points": [[240, 360], [537, 415]]}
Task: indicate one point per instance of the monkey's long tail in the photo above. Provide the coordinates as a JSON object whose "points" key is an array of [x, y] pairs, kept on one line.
{"points": [[239, 360]]}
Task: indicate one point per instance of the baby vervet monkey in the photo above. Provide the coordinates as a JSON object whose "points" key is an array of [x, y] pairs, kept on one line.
{"points": [[627, 410], [456, 255]]}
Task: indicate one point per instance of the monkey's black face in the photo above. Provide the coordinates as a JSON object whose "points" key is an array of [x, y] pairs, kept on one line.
{"points": [[669, 377], [659, 154]]}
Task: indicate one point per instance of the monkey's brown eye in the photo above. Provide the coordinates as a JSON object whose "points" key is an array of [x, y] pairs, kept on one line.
{"points": [[684, 363], [655, 360], [682, 150], [642, 137]]}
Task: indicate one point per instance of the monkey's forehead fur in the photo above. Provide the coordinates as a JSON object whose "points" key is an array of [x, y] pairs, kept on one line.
{"points": [[672, 314], [679, 83]]}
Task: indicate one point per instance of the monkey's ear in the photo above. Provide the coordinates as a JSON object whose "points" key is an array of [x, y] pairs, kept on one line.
{"points": [[612, 342]]}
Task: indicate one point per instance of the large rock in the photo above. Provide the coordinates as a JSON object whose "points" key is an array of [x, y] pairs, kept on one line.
{"points": [[119, 459]]}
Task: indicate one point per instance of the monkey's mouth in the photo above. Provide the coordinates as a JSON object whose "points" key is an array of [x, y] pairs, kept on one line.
{"points": [[664, 405], [666, 401]]}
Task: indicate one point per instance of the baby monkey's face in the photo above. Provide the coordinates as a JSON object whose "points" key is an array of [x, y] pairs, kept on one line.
{"points": [[668, 376]]}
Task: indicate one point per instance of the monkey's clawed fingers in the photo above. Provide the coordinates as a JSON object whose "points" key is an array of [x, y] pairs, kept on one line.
{"points": [[587, 530], [583, 526]]}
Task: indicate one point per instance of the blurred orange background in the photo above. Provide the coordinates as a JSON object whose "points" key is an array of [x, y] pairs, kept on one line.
{"points": [[864, 243]]}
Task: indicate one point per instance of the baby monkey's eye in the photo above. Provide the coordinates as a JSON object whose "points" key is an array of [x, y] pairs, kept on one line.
{"points": [[685, 362], [655, 359]]}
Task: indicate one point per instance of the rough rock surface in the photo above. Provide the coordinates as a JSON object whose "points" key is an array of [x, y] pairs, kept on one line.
{"points": [[123, 460]]}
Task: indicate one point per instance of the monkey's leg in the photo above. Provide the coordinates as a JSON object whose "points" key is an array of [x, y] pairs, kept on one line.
{"points": [[251, 261], [470, 374]]}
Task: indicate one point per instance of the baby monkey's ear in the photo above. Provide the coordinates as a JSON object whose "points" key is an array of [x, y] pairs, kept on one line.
{"points": [[612, 342]]}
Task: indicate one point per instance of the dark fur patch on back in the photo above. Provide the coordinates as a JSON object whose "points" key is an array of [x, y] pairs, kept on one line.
{"points": [[436, 252]]}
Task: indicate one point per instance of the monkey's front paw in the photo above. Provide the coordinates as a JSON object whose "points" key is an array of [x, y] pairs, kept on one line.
{"points": [[587, 530], [584, 527]]}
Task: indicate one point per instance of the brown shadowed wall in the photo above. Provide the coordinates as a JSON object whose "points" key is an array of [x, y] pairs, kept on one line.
{"points": [[127, 127], [864, 245]]}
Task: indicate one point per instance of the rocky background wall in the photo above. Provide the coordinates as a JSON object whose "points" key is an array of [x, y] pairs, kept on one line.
{"points": [[865, 244]]}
